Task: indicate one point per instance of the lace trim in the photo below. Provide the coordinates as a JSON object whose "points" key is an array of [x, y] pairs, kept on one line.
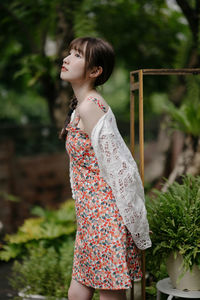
{"points": [[120, 171]]}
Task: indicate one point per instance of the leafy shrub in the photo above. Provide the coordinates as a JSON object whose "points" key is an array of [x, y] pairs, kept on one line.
{"points": [[51, 227], [44, 271], [186, 118], [174, 218]]}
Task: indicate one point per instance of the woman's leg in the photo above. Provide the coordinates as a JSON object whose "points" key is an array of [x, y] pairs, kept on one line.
{"points": [[112, 294], [78, 291]]}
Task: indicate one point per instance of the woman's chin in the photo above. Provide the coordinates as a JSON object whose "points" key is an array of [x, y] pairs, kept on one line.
{"points": [[62, 76]]}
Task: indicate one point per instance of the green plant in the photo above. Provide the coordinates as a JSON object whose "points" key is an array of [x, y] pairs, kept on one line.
{"points": [[186, 118], [174, 218], [51, 227], [44, 271], [9, 197]]}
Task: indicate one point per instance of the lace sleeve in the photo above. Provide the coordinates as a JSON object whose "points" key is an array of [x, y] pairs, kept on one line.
{"points": [[120, 171]]}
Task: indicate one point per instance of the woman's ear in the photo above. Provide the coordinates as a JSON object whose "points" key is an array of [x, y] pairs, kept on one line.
{"points": [[96, 72]]}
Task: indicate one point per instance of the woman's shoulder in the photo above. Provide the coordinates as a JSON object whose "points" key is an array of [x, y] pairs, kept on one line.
{"points": [[90, 111], [93, 103]]}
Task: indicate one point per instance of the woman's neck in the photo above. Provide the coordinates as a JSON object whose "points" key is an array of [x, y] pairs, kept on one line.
{"points": [[81, 91]]}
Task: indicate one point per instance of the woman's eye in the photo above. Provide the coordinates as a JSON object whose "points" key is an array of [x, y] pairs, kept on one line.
{"points": [[77, 55]]}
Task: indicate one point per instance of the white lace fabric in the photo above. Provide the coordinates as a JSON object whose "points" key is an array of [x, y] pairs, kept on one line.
{"points": [[120, 171]]}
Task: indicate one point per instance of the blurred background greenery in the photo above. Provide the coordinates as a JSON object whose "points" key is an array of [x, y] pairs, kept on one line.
{"points": [[34, 37]]}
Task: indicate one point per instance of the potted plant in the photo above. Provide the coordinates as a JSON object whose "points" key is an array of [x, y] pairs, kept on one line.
{"points": [[174, 218]]}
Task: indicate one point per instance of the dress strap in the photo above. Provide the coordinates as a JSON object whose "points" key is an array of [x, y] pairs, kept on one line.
{"points": [[98, 102], [76, 120]]}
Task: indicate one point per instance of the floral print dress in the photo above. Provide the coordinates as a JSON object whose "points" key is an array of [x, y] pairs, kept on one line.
{"points": [[105, 256]]}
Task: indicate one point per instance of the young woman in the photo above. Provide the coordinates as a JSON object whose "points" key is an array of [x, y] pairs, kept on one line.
{"points": [[106, 186]]}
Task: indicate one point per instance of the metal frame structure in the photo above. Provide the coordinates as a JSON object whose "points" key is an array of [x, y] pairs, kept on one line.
{"points": [[138, 86]]}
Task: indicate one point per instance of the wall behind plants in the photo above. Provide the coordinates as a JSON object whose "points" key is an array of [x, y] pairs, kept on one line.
{"points": [[26, 181]]}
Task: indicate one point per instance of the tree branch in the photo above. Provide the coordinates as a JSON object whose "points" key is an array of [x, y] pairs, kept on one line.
{"points": [[190, 15]]}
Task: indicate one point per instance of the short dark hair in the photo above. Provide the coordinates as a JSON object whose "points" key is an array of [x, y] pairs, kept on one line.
{"points": [[98, 52]]}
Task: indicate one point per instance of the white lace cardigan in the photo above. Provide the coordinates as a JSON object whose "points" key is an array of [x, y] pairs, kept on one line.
{"points": [[120, 171]]}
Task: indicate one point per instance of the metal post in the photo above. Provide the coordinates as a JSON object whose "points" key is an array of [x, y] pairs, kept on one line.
{"points": [[132, 140], [132, 115], [139, 86], [141, 126], [141, 145]]}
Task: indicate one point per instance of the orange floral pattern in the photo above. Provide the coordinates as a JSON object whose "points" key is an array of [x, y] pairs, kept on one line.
{"points": [[105, 256]]}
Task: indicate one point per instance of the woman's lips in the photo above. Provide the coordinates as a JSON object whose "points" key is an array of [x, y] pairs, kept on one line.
{"points": [[64, 69]]}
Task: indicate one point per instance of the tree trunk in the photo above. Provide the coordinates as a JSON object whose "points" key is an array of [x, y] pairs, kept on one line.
{"points": [[58, 93]]}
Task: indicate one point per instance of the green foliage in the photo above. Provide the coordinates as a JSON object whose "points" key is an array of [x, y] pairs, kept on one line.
{"points": [[27, 27], [186, 118], [85, 21], [139, 44], [35, 66], [18, 108], [45, 271], [51, 228], [174, 218], [96, 295], [158, 101], [45, 246], [116, 92], [9, 197]]}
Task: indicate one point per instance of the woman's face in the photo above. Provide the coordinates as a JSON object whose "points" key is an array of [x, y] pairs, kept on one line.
{"points": [[73, 68]]}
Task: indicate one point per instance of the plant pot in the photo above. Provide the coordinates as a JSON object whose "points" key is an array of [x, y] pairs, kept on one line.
{"points": [[189, 281], [34, 297]]}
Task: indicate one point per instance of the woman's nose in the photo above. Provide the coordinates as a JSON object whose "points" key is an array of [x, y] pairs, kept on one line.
{"points": [[66, 60]]}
